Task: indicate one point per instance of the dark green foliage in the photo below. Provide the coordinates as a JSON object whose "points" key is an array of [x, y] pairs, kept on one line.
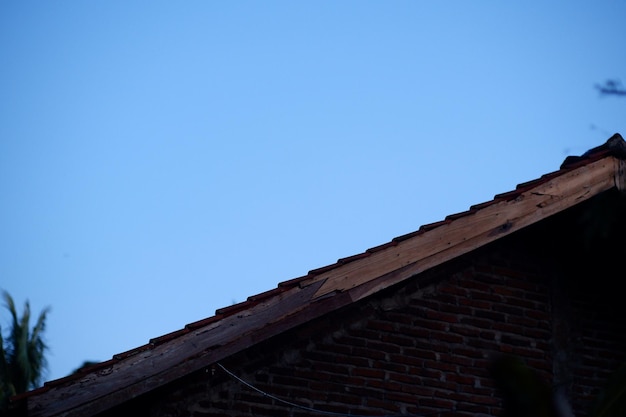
{"points": [[22, 352], [612, 400], [85, 365], [525, 395]]}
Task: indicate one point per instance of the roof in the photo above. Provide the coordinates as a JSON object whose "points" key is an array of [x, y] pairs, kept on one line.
{"points": [[200, 344]]}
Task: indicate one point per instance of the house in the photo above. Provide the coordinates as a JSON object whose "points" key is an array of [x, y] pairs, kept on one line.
{"points": [[410, 327]]}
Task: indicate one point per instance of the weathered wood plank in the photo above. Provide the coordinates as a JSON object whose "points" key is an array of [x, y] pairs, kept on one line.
{"points": [[152, 368], [472, 231]]}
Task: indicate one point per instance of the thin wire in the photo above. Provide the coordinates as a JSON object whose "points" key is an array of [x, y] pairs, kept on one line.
{"points": [[315, 410]]}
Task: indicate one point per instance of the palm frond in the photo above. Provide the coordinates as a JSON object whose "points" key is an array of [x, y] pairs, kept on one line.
{"points": [[23, 359]]}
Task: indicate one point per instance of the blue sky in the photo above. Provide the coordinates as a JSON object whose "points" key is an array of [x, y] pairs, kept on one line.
{"points": [[160, 160]]}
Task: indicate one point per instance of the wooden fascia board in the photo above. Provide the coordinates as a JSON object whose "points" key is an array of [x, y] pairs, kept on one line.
{"points": [[155, 367], [150, 369], [470, 232]]}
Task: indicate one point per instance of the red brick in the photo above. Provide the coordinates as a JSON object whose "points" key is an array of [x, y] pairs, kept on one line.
{"points": [[436, 402], [455, 359], [446, 337], [453, 289], [477, 295], [465, 330], [397, 340], [439, 316], [491, 315], [471, 302], [441, 366], [463, 380], [369, 373], [434, 325]]}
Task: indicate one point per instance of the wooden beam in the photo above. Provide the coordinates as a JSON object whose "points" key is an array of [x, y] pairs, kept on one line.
{"points": [[163, 363], [467, 233], [167, 361]]}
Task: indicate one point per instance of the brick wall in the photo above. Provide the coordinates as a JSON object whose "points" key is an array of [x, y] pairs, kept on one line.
{"points": [[422, 348]]}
